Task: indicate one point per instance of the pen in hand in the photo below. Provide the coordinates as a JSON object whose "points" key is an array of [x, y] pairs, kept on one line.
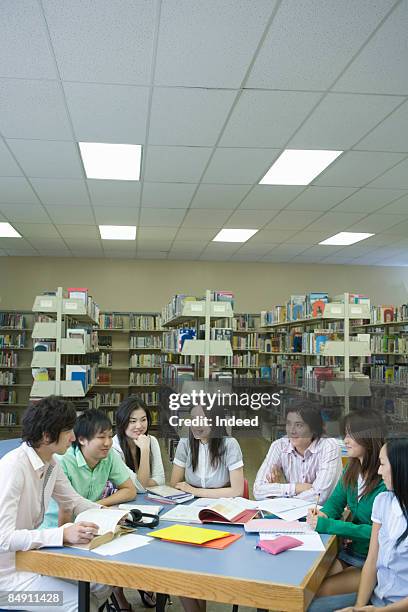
{"points": [[315, 511]]}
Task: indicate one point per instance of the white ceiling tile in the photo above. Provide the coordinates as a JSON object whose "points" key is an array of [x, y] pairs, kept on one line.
{"points": [[267, 118], [156, 233], [246, 257], [16, 190], [48, 244], [292, 220], [365, 260], [401, 260], [306, 259], [161, 217], [22, 253], [378, 223], [118, 193], [228, 34], [259, 249], [390, 135], [368, 200], [398, 230], [8, 166], [107, 215], [319, 38], [308, 238], [335, 222], [26, 213], [375, 70], [200, 233], [381, 240], [193, 247], [356, 250], [167, 195], [14, 243], [206, 217], [153, 245], [241, 166], [270, 197], [150, 255], [81, 242], [271, 236], [120, 255], [399, 206], [36, 230], [219, 196], [175, 164], [275, 258], [289, 250], [45, 158], [75, 215], [320, 198], [108, 113], [110, 42], [55, 253], [176, 256], [33, 109], [341, 120], [24, 48], [337, 259], [321, 251], [88, 253], [250, 219], [78, 232], [356, 168], [189, 117], [396, 178], [61, 192], [3, 253]]}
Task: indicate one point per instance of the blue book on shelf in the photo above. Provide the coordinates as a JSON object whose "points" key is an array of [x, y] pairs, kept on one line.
{"points": [[80, 376]]}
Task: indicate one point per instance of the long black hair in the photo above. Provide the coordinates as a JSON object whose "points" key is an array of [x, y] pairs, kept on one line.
{"points": [[216, 442], [397, 453], [367, 428], [123, 414]]}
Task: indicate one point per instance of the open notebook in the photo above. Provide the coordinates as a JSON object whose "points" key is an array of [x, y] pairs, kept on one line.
{"points": [[216, 511]]}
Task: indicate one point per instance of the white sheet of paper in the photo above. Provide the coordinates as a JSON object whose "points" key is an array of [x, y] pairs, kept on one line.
{"points": [[126, 542], [288, 509], [311, 541]]}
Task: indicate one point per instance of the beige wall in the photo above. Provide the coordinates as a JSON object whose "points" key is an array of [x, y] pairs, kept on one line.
{"points": [[147, 285]]}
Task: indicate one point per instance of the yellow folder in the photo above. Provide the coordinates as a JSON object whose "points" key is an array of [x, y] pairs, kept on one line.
{"points": [[190, 535]]}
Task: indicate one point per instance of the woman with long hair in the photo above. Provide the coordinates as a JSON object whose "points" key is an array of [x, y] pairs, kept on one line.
{"points": [[138, 449], [384, 577], [357, 489]]}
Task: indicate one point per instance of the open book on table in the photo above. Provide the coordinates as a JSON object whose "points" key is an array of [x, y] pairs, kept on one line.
{"points": [[108, 523], [216, 511]]}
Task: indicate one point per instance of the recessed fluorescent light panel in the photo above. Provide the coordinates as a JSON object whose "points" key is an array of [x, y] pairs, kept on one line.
{"points": [[346, 238], [8, 231], [298, 167], [118, 162], [118, 232], [234, 235]]}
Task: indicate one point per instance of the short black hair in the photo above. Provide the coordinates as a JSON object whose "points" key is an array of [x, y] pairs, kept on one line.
{"points": [[89, 424], [310, 413], [51, 416]]}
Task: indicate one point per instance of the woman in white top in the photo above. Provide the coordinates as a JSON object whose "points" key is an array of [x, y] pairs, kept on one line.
{"points": [[138, 449], [208, 463], [384, 578]]}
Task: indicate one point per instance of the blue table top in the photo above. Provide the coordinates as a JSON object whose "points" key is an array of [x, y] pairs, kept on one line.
{"points": [[240, 560]]}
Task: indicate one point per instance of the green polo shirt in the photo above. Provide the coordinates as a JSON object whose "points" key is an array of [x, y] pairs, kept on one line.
{"points": [[88, 482]]}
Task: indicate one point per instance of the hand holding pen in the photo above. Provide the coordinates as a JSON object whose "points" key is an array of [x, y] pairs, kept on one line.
{"points": [[313, 514]]}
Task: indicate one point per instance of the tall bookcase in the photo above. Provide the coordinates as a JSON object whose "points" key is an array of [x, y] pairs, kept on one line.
{"points": [[15, 369], [130, 345]]}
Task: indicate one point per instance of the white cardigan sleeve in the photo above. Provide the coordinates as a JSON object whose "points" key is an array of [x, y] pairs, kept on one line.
{"points": [[157, 464]]}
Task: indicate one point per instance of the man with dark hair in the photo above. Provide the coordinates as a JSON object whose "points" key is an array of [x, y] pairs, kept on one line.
{"points": [[90, 463], [303, 463], [29, 477]]}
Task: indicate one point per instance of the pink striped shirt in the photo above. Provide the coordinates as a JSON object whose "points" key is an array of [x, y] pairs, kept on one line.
{"points": [[320, 466]]}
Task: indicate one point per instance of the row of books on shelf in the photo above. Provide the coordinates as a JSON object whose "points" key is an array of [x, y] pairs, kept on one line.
{"points": [[145, 322], [111, 320], [389, 344], [245, 322], [9, 360], [82, 293], [145, 342], [249, 341], [8, 378], [298, 342], [105, 359], [131, 321], [12, 320], [144, 378], [7, 396], [174, 374], [12, 340], [86, 374], [8, 419], [388, 314], [145, 360], [396, 375], [241, 360]]}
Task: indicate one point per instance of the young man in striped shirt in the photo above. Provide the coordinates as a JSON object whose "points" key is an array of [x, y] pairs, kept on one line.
{"points": [[303, 463]]}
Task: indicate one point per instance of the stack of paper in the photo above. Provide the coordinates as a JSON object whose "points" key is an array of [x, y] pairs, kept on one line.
{"points": [[183, 534], [168, 495], [288, 509]]}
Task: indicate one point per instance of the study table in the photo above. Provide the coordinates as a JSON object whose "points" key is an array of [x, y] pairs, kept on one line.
{"points": [[239, 574]]}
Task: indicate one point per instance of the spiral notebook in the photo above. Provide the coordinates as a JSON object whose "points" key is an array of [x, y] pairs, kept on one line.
{"points": [[276, 526]]}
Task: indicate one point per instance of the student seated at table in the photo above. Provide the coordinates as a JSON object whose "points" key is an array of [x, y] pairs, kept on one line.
{"points": [[208, 463], [88, 465], [29, 476], [384, 577], [303, 463], [356, 490], [137, 448]]}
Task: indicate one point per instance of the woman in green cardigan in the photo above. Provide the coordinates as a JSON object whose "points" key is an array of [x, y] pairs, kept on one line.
{"points": [[356, 490]]}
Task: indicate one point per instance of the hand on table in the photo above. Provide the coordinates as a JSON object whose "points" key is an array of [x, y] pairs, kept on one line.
{"points": [[184, 486]]}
